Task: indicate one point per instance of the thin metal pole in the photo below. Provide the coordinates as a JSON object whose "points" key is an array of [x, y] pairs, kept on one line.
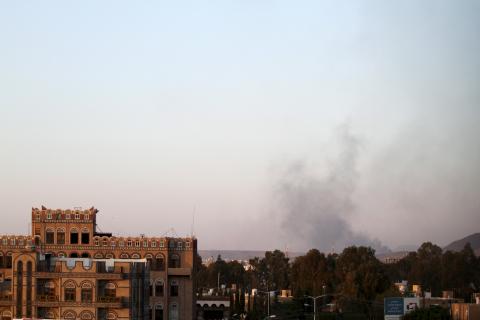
{"points": [[268, 310]]}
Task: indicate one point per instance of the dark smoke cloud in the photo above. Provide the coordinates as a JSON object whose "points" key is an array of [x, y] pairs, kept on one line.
{"points": [[315, 207]]}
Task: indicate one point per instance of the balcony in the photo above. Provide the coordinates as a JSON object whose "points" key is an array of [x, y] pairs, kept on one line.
{"points": [[101, 302], [180, 272], [112, 302], [46, 300], [56, 272]]}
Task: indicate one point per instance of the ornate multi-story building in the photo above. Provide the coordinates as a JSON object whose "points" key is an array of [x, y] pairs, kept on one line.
{"points": [[67, 269]]}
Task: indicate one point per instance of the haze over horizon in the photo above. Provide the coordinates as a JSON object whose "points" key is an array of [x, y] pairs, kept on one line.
{"points": [[306, 125]]}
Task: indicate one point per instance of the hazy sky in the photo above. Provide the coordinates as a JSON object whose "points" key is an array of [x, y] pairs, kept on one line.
{"points": [[275, 123]]}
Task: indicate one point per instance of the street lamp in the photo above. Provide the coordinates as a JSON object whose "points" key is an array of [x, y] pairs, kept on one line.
{"points": [[315, 304]]}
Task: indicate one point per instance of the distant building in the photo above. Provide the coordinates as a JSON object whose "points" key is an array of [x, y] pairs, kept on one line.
{"points": [[67, 269]]}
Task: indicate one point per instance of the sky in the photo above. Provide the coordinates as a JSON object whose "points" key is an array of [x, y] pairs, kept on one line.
{"points": [[251, 124]]}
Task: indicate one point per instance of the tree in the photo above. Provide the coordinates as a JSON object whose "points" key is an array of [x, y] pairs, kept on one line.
{"points": [[361, 277], [311, 272]]}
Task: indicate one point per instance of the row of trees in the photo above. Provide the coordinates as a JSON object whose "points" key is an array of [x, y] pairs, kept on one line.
{"points": [[355, 278], [436, 270]]}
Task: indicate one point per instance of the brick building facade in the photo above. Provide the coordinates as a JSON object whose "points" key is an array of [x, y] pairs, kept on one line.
{"points": [[67, 269]]}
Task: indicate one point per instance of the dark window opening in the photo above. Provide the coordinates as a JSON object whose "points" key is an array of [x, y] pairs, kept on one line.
{"points": [[86, 295], [174, 261], [70, 294], [158, 314], [73, 237], [174, 290], [8, 261], [85, 255], [85, 238], [74, 255], [159, 289], [159, 264], [49, 237]]}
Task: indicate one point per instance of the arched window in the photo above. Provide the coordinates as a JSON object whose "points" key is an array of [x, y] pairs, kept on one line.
{"points": [[85, 255], [158, 312], [85, 236], [173, 314], [159, 263], [69, 289], [61, 255], [109, 256], [87, 289], [135, 256], [73, 255], [174, 261], [73, 236], [124, 256], [98, 255], [49, 236], [159, 288], [111, 315], [60, 236], [173, 288]]}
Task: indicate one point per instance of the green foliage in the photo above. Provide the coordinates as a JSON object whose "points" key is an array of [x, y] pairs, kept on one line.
{"points": [[354, 280], [313, 271], [361, 275], [436, 270]]}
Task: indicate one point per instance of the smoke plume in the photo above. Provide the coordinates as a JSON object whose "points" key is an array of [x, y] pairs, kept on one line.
{"points": [[315, 206]]}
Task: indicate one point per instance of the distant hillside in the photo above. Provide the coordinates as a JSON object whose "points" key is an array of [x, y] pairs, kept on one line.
{"points": [[229, 255], [458, 245]]}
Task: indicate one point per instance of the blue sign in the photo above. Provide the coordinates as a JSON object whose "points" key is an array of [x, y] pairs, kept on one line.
{"points": [[393, 306]]}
